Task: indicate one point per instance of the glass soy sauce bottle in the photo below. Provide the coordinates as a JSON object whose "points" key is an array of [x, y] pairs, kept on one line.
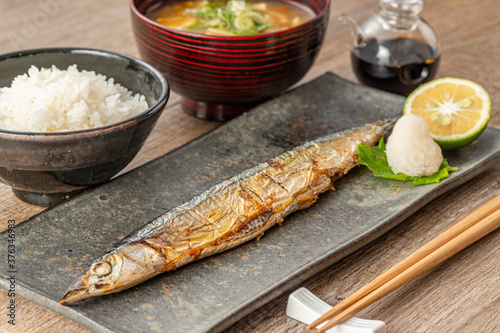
{"points": [[394, 49]]}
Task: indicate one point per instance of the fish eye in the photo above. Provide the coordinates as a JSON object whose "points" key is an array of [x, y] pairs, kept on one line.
{"points": [[101, 269]]}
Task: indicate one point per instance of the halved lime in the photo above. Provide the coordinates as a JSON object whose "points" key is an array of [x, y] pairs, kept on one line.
{"points": [[456, 110]]}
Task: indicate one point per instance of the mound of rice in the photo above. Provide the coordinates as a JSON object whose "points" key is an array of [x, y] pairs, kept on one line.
{"points": [[52, 100]]}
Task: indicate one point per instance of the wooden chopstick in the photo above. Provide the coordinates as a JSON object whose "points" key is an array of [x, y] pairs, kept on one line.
{"points": [[465, 232]]}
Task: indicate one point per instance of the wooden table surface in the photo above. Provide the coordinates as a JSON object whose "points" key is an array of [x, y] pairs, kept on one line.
{"points": [[460, 295]]}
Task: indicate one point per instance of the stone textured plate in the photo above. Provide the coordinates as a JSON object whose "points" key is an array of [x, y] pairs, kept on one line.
{"points": [[209, 295]]}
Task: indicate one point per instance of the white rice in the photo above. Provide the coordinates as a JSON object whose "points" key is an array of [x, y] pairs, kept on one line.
{"points": [[52, 100]]}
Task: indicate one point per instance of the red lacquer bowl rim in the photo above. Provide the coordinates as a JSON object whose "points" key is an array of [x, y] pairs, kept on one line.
{"points": [[317, 16]]}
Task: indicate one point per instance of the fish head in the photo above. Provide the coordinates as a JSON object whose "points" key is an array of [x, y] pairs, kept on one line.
{"points": [[119, 269]]}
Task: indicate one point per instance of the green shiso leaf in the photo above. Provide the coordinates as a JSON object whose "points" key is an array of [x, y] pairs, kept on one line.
{"points": [[376, 160]]}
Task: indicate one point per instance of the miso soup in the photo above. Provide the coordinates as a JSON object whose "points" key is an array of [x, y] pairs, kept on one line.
{"points": [[231, 18]]}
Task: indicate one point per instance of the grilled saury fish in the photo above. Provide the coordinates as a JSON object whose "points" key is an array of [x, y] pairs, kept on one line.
{"points": [[228, 214]]}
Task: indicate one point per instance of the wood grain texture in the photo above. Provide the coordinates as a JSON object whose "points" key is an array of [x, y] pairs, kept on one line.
{"points": [[459, 295]]}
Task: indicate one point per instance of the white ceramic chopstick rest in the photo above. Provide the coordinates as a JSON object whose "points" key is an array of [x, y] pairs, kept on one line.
{"points": [[305, 307]]}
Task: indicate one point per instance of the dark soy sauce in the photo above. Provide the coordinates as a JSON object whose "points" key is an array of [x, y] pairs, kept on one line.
{"points": [[374, 64]]}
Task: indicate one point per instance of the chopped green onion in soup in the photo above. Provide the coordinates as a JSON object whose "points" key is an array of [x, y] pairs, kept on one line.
{"points": [[229, 18]]}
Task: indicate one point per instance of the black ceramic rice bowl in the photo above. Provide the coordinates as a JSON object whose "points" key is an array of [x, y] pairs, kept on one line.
{"points": [[45, 168]]}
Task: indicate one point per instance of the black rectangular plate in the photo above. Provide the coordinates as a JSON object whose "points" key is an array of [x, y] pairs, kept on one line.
{"points": [[55, 246]]}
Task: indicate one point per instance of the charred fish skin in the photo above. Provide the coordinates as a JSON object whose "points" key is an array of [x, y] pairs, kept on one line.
{"points": [[233, 212]]}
